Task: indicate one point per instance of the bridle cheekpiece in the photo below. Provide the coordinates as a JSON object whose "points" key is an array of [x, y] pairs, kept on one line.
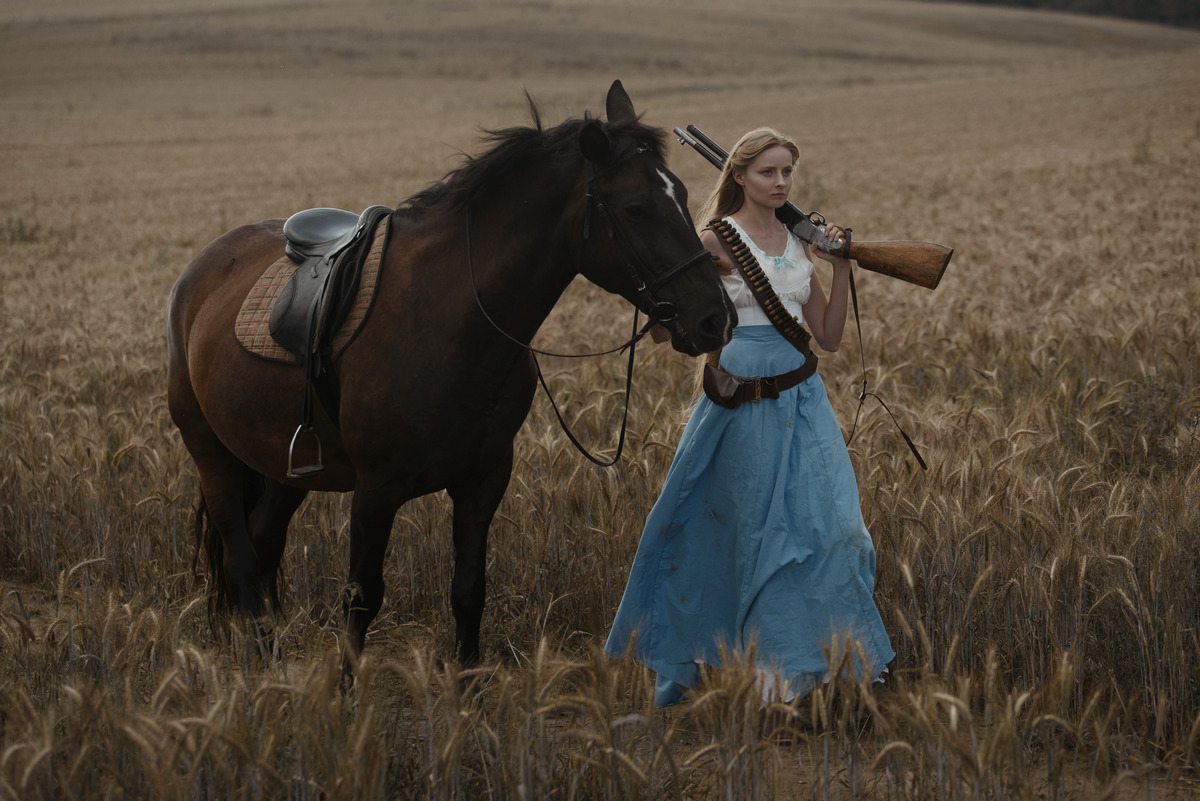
{"points": [[645, 281], [645, 284]]}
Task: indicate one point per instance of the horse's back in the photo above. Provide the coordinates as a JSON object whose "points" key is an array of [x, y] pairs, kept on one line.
{"points": [[234, 254], [227, 266]]}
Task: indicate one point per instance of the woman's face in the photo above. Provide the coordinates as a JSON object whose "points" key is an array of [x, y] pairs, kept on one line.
{"points": [[768, 179]]}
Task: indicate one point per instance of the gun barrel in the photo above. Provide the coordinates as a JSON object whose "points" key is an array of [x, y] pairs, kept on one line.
{"points": [[709, 143], [686, 139]]}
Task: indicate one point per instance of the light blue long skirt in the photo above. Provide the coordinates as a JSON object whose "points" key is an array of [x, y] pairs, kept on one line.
{"points": [[757, 537]]}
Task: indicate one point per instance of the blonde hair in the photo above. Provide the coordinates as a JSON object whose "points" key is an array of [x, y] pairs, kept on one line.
{"points": [[728, 196]]}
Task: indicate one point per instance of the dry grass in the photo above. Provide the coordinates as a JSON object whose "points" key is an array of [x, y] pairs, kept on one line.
{"points": [[1040, 581]]}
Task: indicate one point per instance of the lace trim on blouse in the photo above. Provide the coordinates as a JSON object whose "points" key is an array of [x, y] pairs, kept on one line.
{"points": [[790, 276]]}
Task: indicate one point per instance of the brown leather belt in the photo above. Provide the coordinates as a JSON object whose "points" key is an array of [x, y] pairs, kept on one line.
{"points": [[726, 389]]}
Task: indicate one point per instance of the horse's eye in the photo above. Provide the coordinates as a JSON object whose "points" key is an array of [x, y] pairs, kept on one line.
{"points": [[636, 211]]}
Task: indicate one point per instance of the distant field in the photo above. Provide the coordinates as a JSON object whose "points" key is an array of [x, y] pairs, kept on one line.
{"points": [[1041, 581]]}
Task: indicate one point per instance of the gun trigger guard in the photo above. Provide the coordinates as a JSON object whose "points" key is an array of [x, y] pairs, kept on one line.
{"points": [[817, 218]]}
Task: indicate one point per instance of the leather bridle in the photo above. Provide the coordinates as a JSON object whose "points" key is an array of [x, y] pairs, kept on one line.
{"points": [[646, 283]]}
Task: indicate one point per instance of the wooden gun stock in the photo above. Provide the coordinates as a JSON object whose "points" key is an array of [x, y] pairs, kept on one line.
{"points": [[920, 263]]}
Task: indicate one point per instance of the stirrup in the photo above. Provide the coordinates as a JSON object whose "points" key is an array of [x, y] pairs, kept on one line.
{"points": [[307, 470]]}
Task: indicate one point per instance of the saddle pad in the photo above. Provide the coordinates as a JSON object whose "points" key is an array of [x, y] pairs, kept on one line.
{"points": [[252, 325]]}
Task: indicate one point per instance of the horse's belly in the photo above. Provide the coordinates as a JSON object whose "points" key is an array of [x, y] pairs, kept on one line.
{"points": [[432, 435]]}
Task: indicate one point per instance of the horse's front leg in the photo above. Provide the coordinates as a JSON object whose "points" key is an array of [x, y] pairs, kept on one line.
{"points": [[475, 504], [371, 515]]}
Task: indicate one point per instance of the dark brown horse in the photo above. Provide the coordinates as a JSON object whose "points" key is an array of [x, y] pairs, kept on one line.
{"points": [[432, 394]]}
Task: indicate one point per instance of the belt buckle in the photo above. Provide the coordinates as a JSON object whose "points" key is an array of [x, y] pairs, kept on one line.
{"points": [[757, 390]]}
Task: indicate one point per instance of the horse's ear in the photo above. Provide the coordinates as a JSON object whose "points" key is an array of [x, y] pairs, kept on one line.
{"points": [[619, 106], [595, 143]]}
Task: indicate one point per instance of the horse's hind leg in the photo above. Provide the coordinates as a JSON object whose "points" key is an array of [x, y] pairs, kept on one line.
{"points": [[228, 487], [268, 526], [371, 515]]}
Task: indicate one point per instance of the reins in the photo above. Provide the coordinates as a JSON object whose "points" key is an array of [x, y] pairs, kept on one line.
{"points": [[637, 336], [644, 283], [535, 352], [624, 414]]}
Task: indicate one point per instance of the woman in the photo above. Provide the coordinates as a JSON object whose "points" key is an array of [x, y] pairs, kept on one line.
{"points": [[757, 536]]}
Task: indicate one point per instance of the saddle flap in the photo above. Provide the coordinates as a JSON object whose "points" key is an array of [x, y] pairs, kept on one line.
{"points": [[293, 314]]}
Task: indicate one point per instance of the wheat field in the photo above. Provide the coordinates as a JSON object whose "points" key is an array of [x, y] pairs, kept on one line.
{"points": [[1040, 581]]}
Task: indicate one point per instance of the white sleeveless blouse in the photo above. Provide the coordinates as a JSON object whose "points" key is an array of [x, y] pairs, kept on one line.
{"points": [[789, 274]]}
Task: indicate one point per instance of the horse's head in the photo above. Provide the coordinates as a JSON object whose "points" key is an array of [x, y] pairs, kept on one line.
{"points": [[640, 239]]}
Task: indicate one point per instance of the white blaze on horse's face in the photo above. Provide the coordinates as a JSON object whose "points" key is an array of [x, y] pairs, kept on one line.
{"points": [[670, 185]]}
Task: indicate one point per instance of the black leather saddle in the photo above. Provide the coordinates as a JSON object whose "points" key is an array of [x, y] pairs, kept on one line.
{"points": [[329, 246]]}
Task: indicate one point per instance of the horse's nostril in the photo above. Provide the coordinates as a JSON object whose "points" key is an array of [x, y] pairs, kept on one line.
{"points": [[715, 325]]}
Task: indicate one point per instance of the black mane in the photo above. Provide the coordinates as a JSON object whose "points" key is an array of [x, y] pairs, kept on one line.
{"points": [[512, 152]]}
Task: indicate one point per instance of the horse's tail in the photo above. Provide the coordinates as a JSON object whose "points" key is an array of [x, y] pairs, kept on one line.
{"points": [[210, 545]]}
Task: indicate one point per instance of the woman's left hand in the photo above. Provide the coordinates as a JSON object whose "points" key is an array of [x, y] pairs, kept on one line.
{"points": [[834, 234]]}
